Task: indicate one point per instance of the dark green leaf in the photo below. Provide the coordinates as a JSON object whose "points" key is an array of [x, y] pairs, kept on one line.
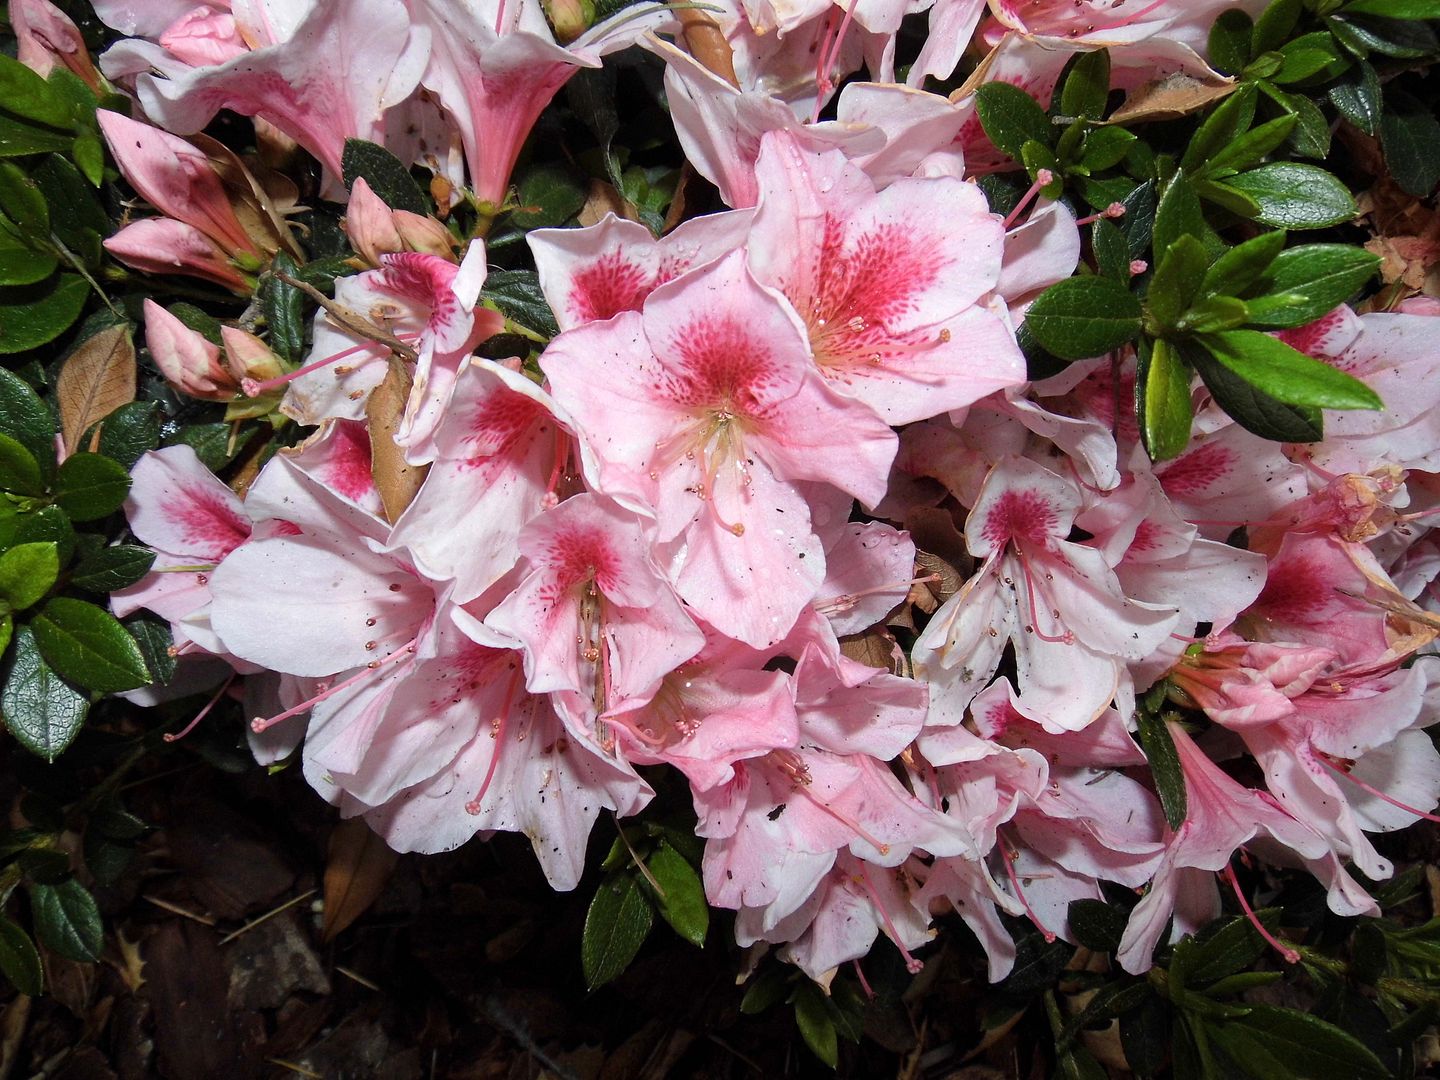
{"points": [[1293, 195], [1109, 1002], [1011, 118], [1286, 374], [1230, 119], [1274, 26], [1229, 43], [1410, 135], [1311, 136], [20, 960], [1215, 313], [1252, 408], [130, 431], [1251, 147], [1311, 56], [1242, 265], [1395, 9], [75, 210], [25, 94], [47, 523], [112, 568], [89, 154], [1083, 317], [1100, 193], [616, 926], [1164, 762], [683, 904], [1237, 202], [548, 195], [22, 202], [105, 859], [1105, 147], [1325, 274], [1272, 1042], [7, 630], [88, 646], [1145, 1036], [284, 310], [1356, 97], [816, 1026], [26, 573], [1097, 925], [1178, 213], [1233, 947], [35, 314], [768, 989], [1404, 39], [67, 920], [385, 173], [19, 471], [153, 637], [23, 266], [1087, 87], [1112, 255], [45, 865], [214, 444], [42, 711], [1176, 281], [90, 486], [19, 138], [517, 294], [1139, 219], [1036, 156], [1039, 364], [1166, 412]]}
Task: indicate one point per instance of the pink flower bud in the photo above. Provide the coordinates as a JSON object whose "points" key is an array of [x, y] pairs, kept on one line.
{"points": [[371, 224], [167, 246], [45, 36], [247, 357], [175, 178], [425, 235], [189, 363]]}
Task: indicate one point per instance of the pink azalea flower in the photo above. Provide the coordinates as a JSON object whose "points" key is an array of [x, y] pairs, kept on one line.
{"points": [[887, 283], [204, 37], [167, 246], [703, 411], [45, 36]]}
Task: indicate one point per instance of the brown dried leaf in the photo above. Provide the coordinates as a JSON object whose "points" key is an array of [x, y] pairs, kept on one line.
{"points": [[602, 199], [877, 648], [1176, 95], [356, 872], [95, 380], [706, 42], [395, 479]]}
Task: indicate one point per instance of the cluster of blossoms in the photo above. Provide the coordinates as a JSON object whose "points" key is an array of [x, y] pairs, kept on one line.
{"points": [[765, 450]]}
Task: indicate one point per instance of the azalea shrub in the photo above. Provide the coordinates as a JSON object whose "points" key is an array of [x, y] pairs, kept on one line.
{"points": [[852, 474]]}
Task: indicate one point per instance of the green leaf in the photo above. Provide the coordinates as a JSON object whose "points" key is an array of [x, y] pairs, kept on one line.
{"points": [[1237, 202], [1178, 213], [36, 314], [516, 293], [1292, 195], [1083, 317], [768, 989], [1166, 412], [1410, 135], [7, 631], [385, 173], [1164, 762], [1215, 313], [1286, 374], [1229, 43], [284, 310], [20, 960], [76, 215], [1112, 254], [19, 138], [47, 523], [813, 1020], [1011, 118], [1230, 119], [1251, 147], [1357, 97], [24, 417], [1036, 156], [154, 638], [19, 471], [26, 573], [548, 195], [1145, 1036], [90, 486], [1311, 136], [1139, 220], [42, 711], [214, 444], [23, 266], [25, 94], [1176, 281], [1087, 88], [1108, 1002], [130, 431], [1273, 1042], [683, 903], [112, 568], [1105, 147], [89, 154], [1314, 56], [22, 202], [67, 921], [1097, 925], [1243, 265], [1252, 408], [1233, 947], [1326, 275], [88, 646], [616, 926], [1403, 39], [1395, 9], [1274, 26]]}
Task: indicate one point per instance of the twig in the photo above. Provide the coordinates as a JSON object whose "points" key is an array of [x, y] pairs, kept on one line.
{"points": [[268, 915], [203, 920], [297, 1069], [355, 976], [351, 320]]}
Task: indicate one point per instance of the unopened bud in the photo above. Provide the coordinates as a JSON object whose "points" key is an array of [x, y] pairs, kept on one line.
{"points": [[189, 363], [569, 18], [424, 234]]}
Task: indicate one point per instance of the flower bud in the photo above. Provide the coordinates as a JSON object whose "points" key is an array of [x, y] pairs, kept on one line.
{"points": [[167, 246], [45, 37], [247, 357], [569, 18], [189, 363], [370, 224]]}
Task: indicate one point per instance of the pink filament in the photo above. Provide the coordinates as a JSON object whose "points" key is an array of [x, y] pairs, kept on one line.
{"points": [[1290, 955]]}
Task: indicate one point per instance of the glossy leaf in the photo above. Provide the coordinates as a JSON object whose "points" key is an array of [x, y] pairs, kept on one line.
{"points": [[24, 266], [1083, 317], [516, 294], [1293, 195], [1326, 275], [1165, 408], [683, 903], [31, 316], [20, 960], [1087, 87], [90, 486], [42, 711], [130, 431], [1395, 9], [1177, 281], [25, 94], [616, 925], [385, 173], [815, 1024], [1011, 118], [1097, 925], [1252, 408], [1270, 1041], [1229, 120], [1286, 374], [1164, 762], [1410, 134], [1229, 41], [1357, 97], [1251, 147], [112, 568], [1274, 25], [88, 646], [1178, 213], [67, 920], [19, 471], [26, 573]]}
